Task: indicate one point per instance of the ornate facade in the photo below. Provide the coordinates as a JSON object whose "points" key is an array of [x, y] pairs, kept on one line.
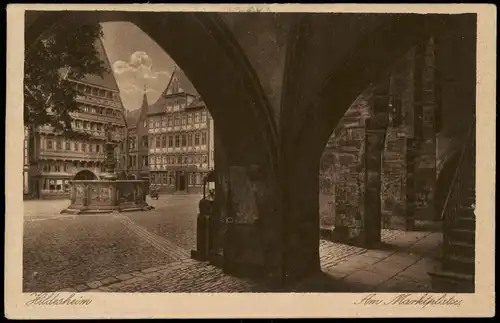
{"points": [[181, 140], [54, 159]]}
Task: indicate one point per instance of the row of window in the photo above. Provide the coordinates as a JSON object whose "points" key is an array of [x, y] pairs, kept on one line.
{"points": [[57, 144], [88, 108], [163, 141], [87, 89], [87, 125], [178, 159], [63, 167], [178, 119], [168, 178], [59, 185]]}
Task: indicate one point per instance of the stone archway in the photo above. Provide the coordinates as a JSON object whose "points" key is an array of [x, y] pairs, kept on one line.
{"points": [[227, 84], [245, 130], [311, 119], [85, 175], [281, 166]]}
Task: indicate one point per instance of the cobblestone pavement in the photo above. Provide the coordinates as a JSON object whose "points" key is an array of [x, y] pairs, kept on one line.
{"points": [[174, 219], [66, 250], [149, 252], [43, 209], [351, 270]]}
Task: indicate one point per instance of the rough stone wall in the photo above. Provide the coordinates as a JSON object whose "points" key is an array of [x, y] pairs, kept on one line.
{"points": [[401, 119], [340, 161]]}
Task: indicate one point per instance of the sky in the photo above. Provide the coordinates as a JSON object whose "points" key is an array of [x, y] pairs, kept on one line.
{"points": [[138, 62]]}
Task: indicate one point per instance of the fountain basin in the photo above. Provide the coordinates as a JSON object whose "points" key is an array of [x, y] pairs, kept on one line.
{"points": [[107, 196]]}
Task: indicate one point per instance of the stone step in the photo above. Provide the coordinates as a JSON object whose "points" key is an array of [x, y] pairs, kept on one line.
{"points": [[466, 212], [462, 249], [459, 264], [452, 282], [463, 235], [465, 223]]}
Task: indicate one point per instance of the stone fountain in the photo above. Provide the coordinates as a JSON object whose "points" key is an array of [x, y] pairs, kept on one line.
{"points": [[108, 193]]}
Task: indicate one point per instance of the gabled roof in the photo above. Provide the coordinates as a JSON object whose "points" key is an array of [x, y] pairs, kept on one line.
{"points": [[173, 83], [158, 106], [107, 80]]}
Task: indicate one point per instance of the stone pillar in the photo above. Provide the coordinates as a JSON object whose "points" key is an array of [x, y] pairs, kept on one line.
{"points": [[425, 132], [376, 128], [73, 193], [395, 156]]}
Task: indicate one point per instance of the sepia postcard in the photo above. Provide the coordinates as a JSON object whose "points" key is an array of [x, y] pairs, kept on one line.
{"points": [[250, 161]]}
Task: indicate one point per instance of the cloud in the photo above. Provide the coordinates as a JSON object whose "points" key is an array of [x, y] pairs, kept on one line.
{"points": [[139, 65], [129, 87]]}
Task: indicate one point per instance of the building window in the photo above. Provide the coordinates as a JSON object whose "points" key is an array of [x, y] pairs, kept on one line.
{"points": [[157, 124], [196, 117], [84, 147], [184, 119], [183, 140], [97, 148], [169, 122], [203, 116], [177, 141], [163, 122], [145, 141], [144, 160], [179, 160], [189, 139], [205, 159], [49, 144], [90, 147], [158, 143], [177, 120], [204, 138], [197, 139], [151, 124], [170, 141], [190, 118], [75, 146], [163, 141], [164, 160]]}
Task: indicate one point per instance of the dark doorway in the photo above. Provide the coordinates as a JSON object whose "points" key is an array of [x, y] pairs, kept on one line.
{"points": [[182, 181]]}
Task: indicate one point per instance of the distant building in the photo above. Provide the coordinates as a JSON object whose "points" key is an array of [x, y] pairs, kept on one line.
{"points": [[138, 142], [51, 160], [181, 140]]}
